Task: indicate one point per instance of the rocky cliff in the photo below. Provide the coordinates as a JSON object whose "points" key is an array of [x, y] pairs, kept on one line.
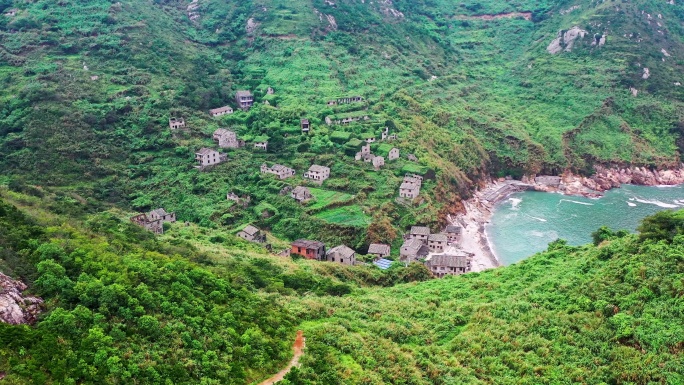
{"points": [[606, 178], [15, 308]]}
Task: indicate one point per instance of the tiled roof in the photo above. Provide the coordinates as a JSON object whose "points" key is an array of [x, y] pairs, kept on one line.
{"points": [[243, 93], [279, 167], [301, 190], [379, 248], [420, 230], [453, 229], [413, 244], [160, 212], [307, 244], [222, 131], [408, 186], [317, 168], [342, 250], [438, 237], [205, 151], [220, 109], [251, 230]]}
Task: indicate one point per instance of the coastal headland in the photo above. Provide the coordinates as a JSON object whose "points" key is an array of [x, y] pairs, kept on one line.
{"points": [[479, 208]]}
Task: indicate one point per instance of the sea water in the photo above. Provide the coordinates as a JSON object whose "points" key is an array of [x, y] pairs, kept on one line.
{"points": [[525, 223]]}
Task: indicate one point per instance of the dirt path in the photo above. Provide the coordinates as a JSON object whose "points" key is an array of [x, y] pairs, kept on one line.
{"points": [[298, 347]]}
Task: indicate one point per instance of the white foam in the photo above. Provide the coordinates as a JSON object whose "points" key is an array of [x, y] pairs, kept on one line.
{"points": [[630, 204], [539, 219], [579, 203], [514, 202], [656, 203]]}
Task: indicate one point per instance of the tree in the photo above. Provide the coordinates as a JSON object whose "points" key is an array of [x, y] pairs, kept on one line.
{"points": [[664, 225]]}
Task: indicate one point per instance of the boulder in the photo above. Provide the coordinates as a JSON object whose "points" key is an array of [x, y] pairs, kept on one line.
{"points": [[15, 308]]}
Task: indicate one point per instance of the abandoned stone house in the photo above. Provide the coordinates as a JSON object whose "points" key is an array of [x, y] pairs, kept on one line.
{"points": [[385, 132], [154, 220], [341, 254], [301, 194], [221, 111], [208, 157], [227, 139], [364, 154], [391, 137], [176, 123], [155, 226], [448, 264], [345, 100], [414, 178], [94, 77], [412, 158], [279, 170], [393, 154], [261, 144], [11, 12], [370, 139], [412, 250], [409, 190], [244, 99], [161, 214], [378, 161], [420, 233], [270, 91], [306, 126], [379, 250], [244, 200], [317, 173], [330, 120], [308, 249], [437, 242], [252, 234], [453, 233]]}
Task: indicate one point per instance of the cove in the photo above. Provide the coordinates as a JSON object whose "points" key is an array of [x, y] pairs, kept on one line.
{"points": [[524, 223]]}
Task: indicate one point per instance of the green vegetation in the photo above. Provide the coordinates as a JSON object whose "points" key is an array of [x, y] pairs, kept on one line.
{"points": [[598, 315], [87, 91], [192, 306], [198, 306], [469, 97], [325, 198], [346, 215]]}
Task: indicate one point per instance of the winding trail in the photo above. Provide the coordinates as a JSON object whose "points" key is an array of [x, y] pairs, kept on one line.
{"points": [[298, 347]]}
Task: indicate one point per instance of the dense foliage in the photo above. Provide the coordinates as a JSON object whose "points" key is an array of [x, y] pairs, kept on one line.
{"points": [[469, 96], [121, 312], [610, 314], [122, 305]]}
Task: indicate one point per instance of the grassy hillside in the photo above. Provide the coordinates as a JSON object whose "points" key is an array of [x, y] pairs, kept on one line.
{"points": [[610, 314], [199, 306], [469, 93], [194, 306]]}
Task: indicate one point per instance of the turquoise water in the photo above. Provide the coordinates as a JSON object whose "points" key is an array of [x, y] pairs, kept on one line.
{"points": [[525, 223]]}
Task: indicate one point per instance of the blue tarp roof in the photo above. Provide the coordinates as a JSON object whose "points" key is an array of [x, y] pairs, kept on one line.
{"points": [[383, 263]]}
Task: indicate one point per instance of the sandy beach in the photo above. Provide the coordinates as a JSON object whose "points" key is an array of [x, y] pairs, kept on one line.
{"points": [[478, 213], [479, 208]]}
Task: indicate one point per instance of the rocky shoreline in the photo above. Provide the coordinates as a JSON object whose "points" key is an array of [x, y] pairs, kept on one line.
{"points": [[479, 208], [15, 308], [607, 178]]}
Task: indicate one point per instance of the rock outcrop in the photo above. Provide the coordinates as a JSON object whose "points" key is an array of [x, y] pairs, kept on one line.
{"points": [[15, 308], [607, 178], [564, 41]]}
